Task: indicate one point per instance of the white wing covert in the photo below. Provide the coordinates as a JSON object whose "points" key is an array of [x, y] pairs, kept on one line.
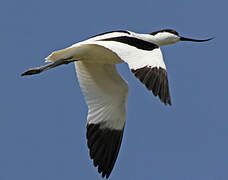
{"points": [[105, 94]]}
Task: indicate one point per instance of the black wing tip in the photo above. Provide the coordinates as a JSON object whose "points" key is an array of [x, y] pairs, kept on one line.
{"points": [[156, 80], [104, 145], [168, 102]]}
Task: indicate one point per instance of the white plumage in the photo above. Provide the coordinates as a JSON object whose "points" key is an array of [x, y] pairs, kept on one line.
{"points": [[105, 91]]}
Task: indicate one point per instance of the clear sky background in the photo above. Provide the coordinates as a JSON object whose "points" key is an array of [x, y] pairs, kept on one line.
{"points": [[42, 119]]}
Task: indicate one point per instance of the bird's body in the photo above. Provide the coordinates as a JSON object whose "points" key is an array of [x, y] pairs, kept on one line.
{"points": [[104, 89]]}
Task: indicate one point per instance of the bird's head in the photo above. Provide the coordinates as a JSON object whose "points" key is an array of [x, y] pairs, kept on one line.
{"points": [[170, 36]]}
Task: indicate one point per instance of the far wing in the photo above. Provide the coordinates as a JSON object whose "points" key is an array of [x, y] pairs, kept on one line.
{"points": [[151, 71], [105, 94], [145, 61]]}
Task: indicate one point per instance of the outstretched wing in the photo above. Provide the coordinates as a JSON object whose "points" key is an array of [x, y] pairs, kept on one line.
{"points": [[105, 94], [144, 59], [151, 71]]}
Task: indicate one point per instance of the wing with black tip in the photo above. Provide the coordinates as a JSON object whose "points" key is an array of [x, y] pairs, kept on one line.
{"points": [[106, 95], [144, 59], [150, 69]]}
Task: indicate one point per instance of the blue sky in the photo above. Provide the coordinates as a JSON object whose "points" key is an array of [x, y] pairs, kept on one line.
{"points": [[42, 119]]}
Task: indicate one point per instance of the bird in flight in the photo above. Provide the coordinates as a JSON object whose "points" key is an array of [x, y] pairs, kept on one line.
{"points": [[106, 91]]}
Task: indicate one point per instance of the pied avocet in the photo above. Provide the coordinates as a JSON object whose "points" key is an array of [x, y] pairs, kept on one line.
{"points": [[105, 91]]}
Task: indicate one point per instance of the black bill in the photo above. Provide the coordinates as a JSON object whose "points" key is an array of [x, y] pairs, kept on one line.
{"points": [[194, 40]]}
